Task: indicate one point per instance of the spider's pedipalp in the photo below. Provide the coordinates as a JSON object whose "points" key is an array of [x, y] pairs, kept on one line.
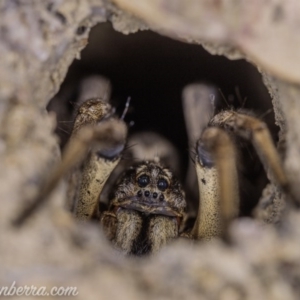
{"points": [[218, 184]]}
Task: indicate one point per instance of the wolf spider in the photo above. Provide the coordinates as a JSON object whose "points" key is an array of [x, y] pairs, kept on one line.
{"points": [[148, 205]]}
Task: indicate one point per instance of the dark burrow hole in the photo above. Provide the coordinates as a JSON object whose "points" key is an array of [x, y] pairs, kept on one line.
{"points": [[153, 70]]}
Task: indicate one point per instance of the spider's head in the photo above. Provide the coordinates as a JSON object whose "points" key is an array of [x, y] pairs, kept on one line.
{"points": [[151, 189], [91, 112]]}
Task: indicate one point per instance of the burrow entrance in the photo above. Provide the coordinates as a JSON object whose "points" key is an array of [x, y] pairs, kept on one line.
{"points": [[153, 70]]}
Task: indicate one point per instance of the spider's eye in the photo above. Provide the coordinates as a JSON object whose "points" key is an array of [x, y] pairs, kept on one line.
{"points": [[143, 180], [162, 184]]}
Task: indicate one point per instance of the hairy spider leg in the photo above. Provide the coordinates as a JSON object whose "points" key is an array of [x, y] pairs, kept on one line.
{"points": [[198, 102], [99, 164], [218, 184], [87, 180], [255, 131], [104, 139]]}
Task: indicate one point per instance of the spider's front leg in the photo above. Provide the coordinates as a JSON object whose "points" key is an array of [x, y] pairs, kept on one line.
{"points": [[198, 101], [217, 172], [108, 141], [217, 182], [96, 142], [256, 132]]}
